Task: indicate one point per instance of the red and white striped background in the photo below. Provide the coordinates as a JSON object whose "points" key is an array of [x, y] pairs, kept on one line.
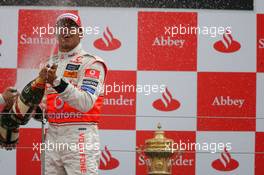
{"points": [[215, 85]]}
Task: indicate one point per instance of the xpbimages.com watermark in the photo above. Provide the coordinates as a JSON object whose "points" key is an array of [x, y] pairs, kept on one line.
{"points": [[172, 30], [81, 147], [51, 30], [84, 143], [52, 146], [146, 89], [189, 146], [86, 147], [212, 31]]}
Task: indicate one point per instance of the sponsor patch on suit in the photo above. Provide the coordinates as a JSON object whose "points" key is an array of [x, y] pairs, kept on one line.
{"points": [[72, 67], [90, 82], [70, 74], [88, 89], [92, 73]]}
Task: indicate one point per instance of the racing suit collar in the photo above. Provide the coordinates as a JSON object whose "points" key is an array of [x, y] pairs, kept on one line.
{"points": [[71, 53]]}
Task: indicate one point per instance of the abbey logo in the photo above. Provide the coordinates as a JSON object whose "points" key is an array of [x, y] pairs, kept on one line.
{"points": [[228, 101], [227, 44], [108, 42], [28, 137], [155, 42], [168, 41]]}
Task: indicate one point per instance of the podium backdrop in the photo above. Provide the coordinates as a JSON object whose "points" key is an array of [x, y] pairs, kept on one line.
{"points": [[213, 86]]}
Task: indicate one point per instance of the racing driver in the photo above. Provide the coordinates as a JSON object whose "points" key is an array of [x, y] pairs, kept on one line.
{"points": [[74, 96]]}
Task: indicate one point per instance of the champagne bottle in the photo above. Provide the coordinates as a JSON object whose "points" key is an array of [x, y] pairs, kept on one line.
{"points": [[21, 111]]}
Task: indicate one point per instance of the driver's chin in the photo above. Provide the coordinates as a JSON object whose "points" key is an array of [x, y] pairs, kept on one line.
{"points": [[65, 44]]}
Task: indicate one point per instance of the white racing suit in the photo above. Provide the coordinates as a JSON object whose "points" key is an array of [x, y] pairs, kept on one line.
{"points": [[73, 108]]}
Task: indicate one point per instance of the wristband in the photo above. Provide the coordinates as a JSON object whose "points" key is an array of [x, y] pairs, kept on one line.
{"points": [[62, 85]]}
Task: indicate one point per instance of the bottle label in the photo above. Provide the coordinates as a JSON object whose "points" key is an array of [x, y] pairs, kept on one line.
{"points": [[38, 83]]}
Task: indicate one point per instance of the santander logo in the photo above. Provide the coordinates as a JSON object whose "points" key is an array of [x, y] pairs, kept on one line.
{"points": [[166, 103], [227, 44], [261, 43], [225, 163], [107, 161], [107, 42]]}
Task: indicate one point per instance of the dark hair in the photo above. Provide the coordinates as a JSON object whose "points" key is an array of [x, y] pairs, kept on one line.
{"points": [[68, 21]]}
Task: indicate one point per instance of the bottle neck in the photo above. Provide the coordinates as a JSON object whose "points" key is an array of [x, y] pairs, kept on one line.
{"points": [[38, 83]]}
